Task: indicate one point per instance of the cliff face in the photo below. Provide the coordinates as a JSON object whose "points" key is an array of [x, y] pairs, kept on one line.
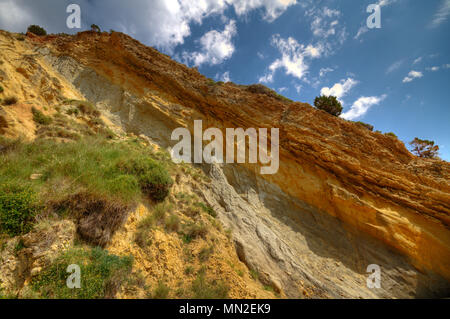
{"points": [[344, 197]]}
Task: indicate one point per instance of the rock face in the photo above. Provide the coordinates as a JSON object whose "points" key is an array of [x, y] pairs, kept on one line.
{"points": [[344, 197]]}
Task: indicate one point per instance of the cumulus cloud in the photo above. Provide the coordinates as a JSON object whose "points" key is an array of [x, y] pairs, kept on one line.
{"points": [[225, 77], [294, 58], [216, 47], [339, 90], [412, 75], [362, 106], [161, 23], [442, 14], [273, 8]]}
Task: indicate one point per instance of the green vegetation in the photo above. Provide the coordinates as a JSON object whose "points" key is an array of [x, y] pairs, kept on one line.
{"points": [[85, 107], [95, 28], [154, 179], [1, 89], [424, 148], [204, 289], [10, 100], [261, 89], [329, 104], [37, 30], [161, 291], [207, 209], [102, 275], [205, 253], [40, 118], [173, 223], [390, 134], [367, 126], [84, 176], [18, 206]]}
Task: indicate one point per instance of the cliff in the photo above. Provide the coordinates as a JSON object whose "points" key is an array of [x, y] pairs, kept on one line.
{"points": [[343, 198]]}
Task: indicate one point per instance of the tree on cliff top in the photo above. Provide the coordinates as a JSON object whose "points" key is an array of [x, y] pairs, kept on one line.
{"points": [[329, 104], [424, 148], [37, 30], [95, 28]]}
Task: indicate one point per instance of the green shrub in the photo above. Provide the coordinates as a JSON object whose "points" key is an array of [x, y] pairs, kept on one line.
{"points": [[204, 289], [10, 100], [95, 28], [173, 223], [1, 89], [367, 126], [207, 209], [154, 179], [18, 206], [102, 275], [329, 104], [390, 134], [40, 118], [161, 291], [37, 30]]}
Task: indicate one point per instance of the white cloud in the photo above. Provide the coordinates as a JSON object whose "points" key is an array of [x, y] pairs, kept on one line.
{"points": [[417, 60], [412, 75], [216, 47], [361, 31], [446, 66], [339, 90], [273, 8], [298, 88], [433, 69], [322, 26], [161, 23], [394, 66], [324, 71], [441, 15], [362, 106], [225, 77], [293, 59], [12, 16]]}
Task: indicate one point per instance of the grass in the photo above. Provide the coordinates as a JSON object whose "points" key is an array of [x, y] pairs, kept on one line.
{"points": [[205, 253], [40, 118], [69, 171], [207, 209], [204, 289], [18, 206], [102, 275], [85, 107], [172, 223], [161, 291], [1, 89]]}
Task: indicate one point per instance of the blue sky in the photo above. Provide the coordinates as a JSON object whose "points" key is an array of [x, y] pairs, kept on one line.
{"points": [[395, 78]]}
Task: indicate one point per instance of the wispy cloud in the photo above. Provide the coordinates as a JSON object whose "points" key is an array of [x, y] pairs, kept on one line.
{"points": [[412, 75], [441, 15], [394, 66]]}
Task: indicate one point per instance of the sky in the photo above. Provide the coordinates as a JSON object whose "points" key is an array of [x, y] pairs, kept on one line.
{"points": [[395, 77]]}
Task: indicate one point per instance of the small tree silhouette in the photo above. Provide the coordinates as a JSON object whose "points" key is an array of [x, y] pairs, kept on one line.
{"points": [[37, 30], [424, 148], [329, 104], [95, 28]]}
